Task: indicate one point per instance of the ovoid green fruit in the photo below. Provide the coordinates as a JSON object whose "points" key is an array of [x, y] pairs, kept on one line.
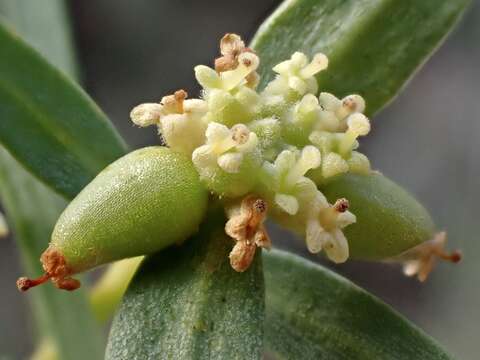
{"points": [[141, 203], [389, 220]]}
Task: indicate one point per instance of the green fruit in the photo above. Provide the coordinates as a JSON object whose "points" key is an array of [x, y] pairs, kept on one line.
{"points": [[142, 203], [389, 220]]}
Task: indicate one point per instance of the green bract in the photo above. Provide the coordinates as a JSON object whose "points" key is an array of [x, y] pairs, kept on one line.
{"points": [[143, 202]]}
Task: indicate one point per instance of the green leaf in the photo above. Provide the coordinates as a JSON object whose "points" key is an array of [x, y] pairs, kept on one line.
{"points": [[374, 46], [313, 313], [48, 123], [63, 321], [45, 26], [33, 209], [188, 303]]}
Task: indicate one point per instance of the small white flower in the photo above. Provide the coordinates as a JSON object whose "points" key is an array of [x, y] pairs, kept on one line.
{"points": [[225, 147], [228, 80], [358, 125], [350, 104], [337, 147], [179, 121], [286, 177], [324, 231], [329, 102], [297, 74], [340, 109], [306, 111]]}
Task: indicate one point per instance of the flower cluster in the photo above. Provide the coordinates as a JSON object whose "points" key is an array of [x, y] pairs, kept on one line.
{"points": [[255, 149]]}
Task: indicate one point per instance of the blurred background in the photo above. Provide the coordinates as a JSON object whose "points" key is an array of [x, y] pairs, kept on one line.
{"points": [[426, 140]]}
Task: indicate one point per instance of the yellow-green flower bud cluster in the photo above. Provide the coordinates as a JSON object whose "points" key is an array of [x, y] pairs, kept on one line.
{"points": [[271, 143]]}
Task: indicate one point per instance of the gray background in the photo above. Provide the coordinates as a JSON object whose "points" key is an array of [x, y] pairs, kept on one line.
{"points": [[427, 140]]}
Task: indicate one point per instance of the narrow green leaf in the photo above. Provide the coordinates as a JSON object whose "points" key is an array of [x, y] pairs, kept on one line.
{"points": [[33, 209], [64, 319], [374, 46], [313, 313], [45, 26], [188, 303], [48, 123]]}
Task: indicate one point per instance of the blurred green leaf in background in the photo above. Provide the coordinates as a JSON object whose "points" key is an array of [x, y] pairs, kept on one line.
{"points": [[32, 208]]}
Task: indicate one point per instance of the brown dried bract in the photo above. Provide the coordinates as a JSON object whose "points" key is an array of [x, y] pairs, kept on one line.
{"points": [[246, 227], [56, 269], [421, 259]]}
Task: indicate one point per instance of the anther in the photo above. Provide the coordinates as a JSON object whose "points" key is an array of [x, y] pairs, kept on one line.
{"points": [[240, 134], [174, 103], [341, 205]]}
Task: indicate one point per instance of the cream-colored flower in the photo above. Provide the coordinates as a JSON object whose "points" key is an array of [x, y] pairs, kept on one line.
{"points": [[337, 148], [306, 111], [286, 177], [340, 109], [324, 231], [231, 79], [179, 120], [358, 125], [297, 74], [225, 147]]}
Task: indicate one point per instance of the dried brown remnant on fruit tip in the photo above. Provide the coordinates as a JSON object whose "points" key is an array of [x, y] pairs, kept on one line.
{"points": [[246, 227], [54, 263], [56, 269], [420, 260], [174, 103], [231, 46]]}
